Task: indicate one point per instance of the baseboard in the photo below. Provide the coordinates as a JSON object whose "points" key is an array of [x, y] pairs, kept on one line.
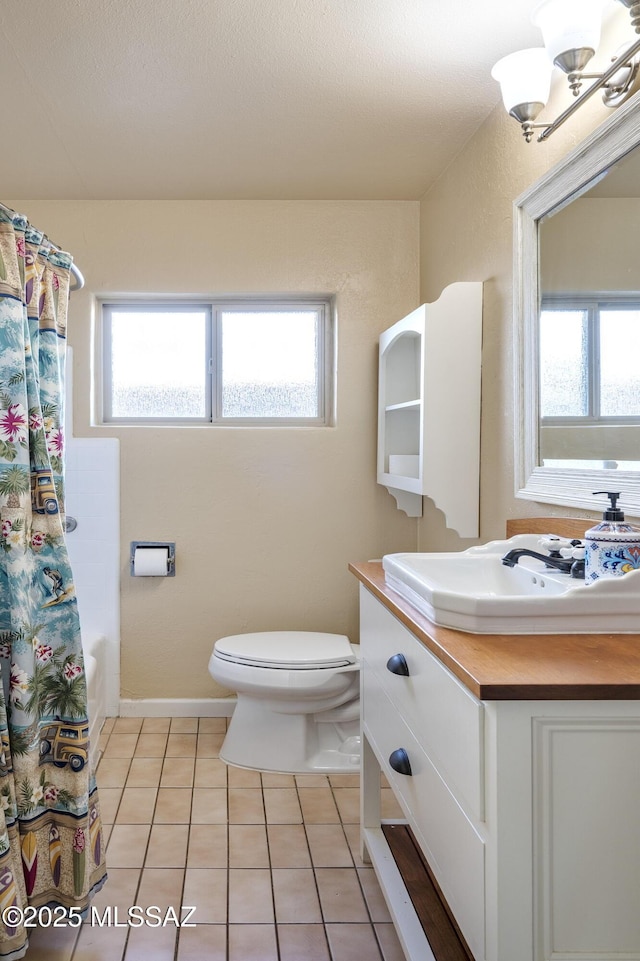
{"points": [[177, 707]]}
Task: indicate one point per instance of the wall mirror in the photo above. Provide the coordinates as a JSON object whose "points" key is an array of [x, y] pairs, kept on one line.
{"points": [[577, 323]]}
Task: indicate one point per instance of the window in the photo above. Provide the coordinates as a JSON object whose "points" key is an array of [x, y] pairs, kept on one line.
{"points": [[588, 360], [236, 362]]}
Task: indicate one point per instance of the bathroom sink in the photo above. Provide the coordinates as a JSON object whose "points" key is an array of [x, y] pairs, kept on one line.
{"points": [[474, 591]]}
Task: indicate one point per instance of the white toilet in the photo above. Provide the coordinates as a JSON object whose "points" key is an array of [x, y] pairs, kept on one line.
{"points": [[298, 707]]}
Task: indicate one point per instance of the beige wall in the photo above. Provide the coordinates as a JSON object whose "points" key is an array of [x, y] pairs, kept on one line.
{"points": [[265, 521], [591, 245], [466, 234]]}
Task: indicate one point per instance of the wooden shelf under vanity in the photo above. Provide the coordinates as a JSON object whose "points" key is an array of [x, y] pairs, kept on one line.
{"points": [[445, 940]]}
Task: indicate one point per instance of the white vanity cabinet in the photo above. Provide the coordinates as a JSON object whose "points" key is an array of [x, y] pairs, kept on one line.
{"points": [[526, 811], [429, 407]]}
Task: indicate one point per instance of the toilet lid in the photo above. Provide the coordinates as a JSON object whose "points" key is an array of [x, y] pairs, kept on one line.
{"points": [[290, 650]]}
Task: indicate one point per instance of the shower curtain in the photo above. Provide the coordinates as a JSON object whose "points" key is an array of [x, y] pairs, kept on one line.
{"points": [[51, 848]]}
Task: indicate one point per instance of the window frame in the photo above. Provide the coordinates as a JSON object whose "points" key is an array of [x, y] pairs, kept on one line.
{"points": [[323, 305], [592, 305]]}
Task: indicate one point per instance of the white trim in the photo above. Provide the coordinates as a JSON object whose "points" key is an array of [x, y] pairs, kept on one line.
{"points": [[177, 707], [572, 488]]}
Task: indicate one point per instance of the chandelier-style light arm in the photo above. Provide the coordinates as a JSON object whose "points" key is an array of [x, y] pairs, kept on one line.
{"points": [[571, 34], [622, 61]]}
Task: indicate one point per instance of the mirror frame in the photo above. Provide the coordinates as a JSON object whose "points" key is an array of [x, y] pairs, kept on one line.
{"points": [[611, 141]]}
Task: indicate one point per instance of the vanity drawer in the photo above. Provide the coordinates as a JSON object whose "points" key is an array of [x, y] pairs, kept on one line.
{"points": [[451, 845], [446, 719]]}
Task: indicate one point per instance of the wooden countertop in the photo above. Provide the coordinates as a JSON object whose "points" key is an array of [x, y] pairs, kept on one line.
{"points": [[522, 666]]}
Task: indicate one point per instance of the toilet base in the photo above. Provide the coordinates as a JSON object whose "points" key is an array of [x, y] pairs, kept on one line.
{"points": [[262, 739]]}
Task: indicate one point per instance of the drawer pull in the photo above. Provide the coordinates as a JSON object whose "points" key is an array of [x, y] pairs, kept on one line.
{"points": [[397, 664], [399, 761]]}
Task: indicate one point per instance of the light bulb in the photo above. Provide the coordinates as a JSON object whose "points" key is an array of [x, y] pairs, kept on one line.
{"points": [[525, 79], [570, 30]]}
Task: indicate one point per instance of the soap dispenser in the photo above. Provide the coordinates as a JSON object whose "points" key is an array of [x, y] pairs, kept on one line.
{"points": [[613, 546]]}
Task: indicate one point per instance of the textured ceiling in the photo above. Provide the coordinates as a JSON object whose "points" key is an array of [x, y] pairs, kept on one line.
{"points": [[279, 99]]}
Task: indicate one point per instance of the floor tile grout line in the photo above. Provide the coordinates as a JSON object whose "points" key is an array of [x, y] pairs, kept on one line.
{"points": [[144, 860], [269, 859], [176, 951], [273, 893], [313, 868]]}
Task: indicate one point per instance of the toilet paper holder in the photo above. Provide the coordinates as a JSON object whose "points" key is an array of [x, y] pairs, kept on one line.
{"points": [[171, 555]]}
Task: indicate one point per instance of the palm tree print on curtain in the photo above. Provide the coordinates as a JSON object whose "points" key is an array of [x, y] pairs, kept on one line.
{"points": [[51, 850]]}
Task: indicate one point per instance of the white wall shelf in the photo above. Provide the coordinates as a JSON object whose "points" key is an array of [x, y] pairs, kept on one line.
{"points": [[429, 407]]}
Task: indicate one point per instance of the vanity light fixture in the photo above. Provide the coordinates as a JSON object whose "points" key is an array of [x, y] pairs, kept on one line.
{"points": [[571, 34]]}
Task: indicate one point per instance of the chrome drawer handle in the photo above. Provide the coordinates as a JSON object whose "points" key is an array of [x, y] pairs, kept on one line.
{"points": [[397, 664], [399, 761]]}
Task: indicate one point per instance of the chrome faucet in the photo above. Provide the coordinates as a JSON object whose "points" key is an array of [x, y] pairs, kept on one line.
{"points": [[567, 565]]}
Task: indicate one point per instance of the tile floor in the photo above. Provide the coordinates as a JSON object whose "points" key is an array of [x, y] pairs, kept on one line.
{"points": [[270, 862]]}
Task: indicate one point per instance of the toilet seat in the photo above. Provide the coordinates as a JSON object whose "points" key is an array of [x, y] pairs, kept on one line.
{"points": [[287, 650]]}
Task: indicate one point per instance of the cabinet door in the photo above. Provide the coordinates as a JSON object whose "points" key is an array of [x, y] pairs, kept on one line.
{"points": [[587, 831]]}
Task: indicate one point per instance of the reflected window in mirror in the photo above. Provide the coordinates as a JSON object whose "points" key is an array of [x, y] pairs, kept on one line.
{"points": [[590, 378]]}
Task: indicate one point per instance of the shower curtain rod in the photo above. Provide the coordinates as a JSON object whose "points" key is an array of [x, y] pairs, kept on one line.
{"points": [[78, 279]]}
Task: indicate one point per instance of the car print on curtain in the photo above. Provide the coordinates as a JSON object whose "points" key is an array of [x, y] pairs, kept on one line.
{"points": [[51, 850]]}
